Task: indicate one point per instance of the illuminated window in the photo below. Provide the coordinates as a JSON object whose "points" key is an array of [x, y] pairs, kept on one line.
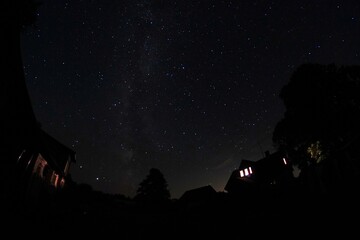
{"points": [[62, 182], [56, 180], [250, 170], [284, 160], [241, 173], [246, 172]]}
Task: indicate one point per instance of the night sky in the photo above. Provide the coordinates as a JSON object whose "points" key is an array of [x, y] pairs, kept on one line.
{"points": [[188, 87]]}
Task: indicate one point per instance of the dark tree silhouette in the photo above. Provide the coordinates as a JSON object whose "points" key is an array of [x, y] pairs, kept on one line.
{"points": [[19, 126], [19, 13], [14, 99], [153, 188], [322, 114]]}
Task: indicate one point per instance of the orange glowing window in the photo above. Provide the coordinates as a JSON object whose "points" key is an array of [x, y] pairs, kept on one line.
{"points": [[241, 173], [246, 172], [250, 170], [284, 160]]}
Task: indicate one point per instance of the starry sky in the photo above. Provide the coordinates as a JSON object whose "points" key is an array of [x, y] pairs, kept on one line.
{"points": [[188, 87]]}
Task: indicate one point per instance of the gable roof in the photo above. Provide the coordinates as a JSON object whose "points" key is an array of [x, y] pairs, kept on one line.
{"points": [[54, 152], [246, 163], [198, 194]]}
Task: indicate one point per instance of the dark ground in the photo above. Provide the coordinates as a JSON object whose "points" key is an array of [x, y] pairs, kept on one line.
{"points": [[226, 217]]}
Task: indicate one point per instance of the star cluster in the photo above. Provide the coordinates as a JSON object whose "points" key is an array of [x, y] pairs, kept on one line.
{"points": [[189, 87]]}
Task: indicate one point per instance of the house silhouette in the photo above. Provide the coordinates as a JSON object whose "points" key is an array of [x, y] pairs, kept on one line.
{"points": [[274, 171]]}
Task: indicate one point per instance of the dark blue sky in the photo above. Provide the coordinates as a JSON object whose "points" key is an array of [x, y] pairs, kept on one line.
{"points": [[189, 87]]}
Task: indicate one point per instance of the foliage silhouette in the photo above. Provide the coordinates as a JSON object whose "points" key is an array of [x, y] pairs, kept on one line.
{"points": [[153, 189], [19, 13], [19, 126], [322, 114], [15, 102]]}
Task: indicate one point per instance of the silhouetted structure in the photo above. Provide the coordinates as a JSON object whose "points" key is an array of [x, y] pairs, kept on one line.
{"points": [[274, 171], [199, 195], [45, 166]]}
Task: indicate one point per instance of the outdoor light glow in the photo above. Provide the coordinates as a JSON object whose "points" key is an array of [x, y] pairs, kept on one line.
{"points": [[284, 161]]}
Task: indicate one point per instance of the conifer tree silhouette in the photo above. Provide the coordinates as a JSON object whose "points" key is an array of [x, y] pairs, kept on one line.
{"points": [[153, 188]]}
